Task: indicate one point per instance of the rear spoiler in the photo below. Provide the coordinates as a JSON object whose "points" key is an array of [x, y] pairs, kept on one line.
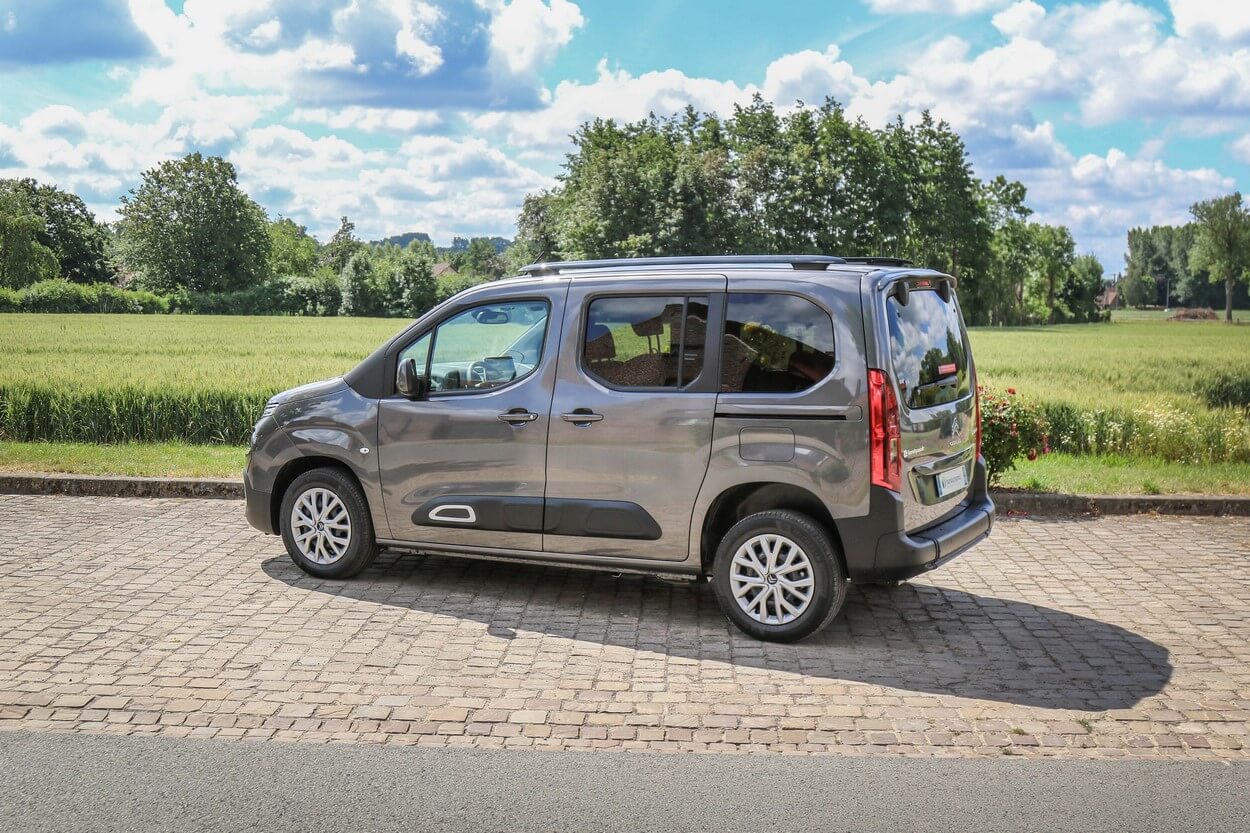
{"points": [[900, 288]]}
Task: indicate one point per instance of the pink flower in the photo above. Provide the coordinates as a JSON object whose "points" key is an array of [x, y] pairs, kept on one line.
{"points": [[1032, 454], [1011, 391]]}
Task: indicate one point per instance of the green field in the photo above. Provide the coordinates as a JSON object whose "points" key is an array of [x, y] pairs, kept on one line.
{"points": [[1123, 388]]}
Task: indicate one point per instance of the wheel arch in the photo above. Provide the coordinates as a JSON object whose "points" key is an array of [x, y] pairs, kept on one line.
{"points": [[743, 499], [292, 470]]}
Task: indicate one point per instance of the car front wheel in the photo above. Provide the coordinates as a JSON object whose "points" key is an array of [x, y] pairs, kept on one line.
{"points": [[778, 576], [326, 525]]}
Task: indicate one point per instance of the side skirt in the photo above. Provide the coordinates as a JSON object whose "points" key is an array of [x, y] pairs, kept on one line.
{"points": [[634, 566]]}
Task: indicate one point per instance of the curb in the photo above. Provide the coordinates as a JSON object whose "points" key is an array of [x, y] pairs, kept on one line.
{"points": [[1008, 503]]}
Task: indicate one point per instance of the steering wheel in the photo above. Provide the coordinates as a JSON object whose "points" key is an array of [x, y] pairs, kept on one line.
{"points": [[477, 373]]}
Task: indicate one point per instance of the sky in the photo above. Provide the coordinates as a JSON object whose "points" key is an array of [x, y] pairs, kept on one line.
{"points": [[440, 115]]}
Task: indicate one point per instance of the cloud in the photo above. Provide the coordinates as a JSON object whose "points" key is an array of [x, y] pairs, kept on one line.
{"points": [[934, 6], [1220, 20], [811, 77], [370, 119], [525, 35], [63, 31], [1240, 148]]}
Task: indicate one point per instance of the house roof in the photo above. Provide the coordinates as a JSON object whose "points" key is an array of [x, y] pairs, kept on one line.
{"points": [[444, 270]]}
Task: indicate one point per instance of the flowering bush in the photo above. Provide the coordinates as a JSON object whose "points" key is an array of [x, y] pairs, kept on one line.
{"points": [[1011, 428]]}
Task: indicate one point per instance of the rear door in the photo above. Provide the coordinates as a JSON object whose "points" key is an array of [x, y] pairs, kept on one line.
{"points": [[932, 369], [631, 418]]}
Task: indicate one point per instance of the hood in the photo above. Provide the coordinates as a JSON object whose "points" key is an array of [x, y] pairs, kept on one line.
{"points": [[309, 391]]}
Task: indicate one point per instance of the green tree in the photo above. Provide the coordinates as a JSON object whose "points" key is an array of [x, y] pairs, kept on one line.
{"points": [[23, 259], [1054, 252], [361, 294], [1138, 290], [190, 226], [292, 250], [482, 259], [412, 288], [1080, 287], [69, 230], [1222, 243], [342, 246]]}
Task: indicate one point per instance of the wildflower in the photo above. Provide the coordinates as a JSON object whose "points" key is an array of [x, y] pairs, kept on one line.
{"points": [[1011, 391], [1032, 454]]}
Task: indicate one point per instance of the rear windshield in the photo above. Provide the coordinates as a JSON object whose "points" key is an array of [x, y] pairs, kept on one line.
{"points": [[928, 349]]}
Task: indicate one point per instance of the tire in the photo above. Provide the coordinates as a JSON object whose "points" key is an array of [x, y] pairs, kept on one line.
{"points": [[803, 551], [341, 543]]}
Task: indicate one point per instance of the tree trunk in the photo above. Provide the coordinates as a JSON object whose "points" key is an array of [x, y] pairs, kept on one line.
{"points": [[1228, 300]]}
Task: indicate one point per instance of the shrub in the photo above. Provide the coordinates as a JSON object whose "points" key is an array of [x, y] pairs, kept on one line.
{"points": [[316, 294], [456, 285], [10, 300], [59, 296], [1011, 428], [1226, 390]]}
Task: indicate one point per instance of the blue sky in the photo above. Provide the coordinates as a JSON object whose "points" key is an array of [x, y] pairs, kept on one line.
{"points": [[440, 115]]}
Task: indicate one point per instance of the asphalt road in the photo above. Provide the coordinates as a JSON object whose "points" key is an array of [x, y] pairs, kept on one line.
{"points": [[66, 782]]}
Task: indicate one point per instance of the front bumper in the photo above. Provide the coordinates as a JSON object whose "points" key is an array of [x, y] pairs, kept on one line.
{"points": [[258, 505], [881, 550]]}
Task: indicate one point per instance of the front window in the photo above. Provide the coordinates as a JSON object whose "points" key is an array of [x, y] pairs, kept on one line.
{"points": [[482, 347]]}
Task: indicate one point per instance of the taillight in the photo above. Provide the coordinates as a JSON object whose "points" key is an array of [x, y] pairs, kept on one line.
{"points": [[884, 442], [976, 401]]}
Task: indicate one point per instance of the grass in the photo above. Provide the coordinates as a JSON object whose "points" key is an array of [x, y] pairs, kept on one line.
{"points": [[1140, 364], [1125, 387], [133, 459], [1118, 475]]}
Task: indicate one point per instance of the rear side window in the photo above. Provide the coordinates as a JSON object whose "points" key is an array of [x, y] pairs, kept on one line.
{"points": [[928, 349], [774, 343], [645, 342]]}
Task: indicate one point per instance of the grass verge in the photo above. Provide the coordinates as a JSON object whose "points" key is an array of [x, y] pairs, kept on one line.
{"points": [[133, 459], [1109, 474]]}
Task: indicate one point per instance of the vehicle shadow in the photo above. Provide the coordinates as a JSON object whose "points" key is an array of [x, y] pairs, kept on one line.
{"points": [[913, 637]]}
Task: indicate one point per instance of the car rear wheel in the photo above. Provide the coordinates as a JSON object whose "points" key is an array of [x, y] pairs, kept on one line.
{"points": [[326, 525], [778, 576]]}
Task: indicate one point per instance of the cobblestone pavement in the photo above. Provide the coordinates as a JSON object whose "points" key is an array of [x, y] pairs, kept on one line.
{"points": [[1125, 636]]}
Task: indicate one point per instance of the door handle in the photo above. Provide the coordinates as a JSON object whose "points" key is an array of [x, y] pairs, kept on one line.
{"points": [[582, 416], [518, 417]]}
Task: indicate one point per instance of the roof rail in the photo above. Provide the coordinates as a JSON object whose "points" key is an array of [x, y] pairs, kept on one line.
{"points": [[795, 261], [879, 261]]}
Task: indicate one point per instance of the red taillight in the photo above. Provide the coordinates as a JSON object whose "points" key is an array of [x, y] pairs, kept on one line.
{"points": [[977, 404], [884, 443]]}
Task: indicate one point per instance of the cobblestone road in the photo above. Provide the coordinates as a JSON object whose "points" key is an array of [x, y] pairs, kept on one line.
{"points": [[1116, 636]]}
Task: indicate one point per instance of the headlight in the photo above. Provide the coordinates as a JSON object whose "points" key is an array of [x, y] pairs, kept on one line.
{"points": [[270, 407]]}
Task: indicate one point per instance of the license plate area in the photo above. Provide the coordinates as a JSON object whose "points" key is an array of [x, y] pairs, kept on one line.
{"points": [[951, 481]]}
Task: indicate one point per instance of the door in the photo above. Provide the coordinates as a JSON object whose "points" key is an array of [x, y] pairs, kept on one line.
{"points": [[465, 465], [631, 417]]}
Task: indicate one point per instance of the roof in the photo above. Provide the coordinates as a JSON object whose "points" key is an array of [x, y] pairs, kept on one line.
{"points": [[444, 269], [799, 262]]}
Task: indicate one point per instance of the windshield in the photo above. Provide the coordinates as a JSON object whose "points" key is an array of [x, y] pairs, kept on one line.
{"points": [[928, 348]]}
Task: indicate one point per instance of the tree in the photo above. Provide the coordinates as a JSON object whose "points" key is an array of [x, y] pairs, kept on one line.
{"points": [[361, 294], [1138, 290], [481, 258], [292, 250], [342, 246], [1222, 243], [70, 231], [1080, 287], [23, 259], [1054, 253], [412, 288], [190, 226]]}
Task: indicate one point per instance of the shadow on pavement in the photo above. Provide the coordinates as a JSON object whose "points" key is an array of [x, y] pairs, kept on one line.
{"points": [[918, 638]]}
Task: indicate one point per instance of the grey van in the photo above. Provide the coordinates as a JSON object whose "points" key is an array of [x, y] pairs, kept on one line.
{"points": [[778, 425]]}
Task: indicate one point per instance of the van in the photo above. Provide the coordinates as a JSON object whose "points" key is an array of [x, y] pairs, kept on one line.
{"points": [[777, 425]]}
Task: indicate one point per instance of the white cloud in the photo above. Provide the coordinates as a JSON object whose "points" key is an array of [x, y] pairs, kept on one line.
{"points": [[1240, 148], [525, 35], [810, 76], [1221, 20], [369, 119], [1019, 19], [934, 6]]}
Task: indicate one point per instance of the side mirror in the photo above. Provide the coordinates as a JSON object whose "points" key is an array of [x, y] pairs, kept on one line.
{"points": [[411, 385]]}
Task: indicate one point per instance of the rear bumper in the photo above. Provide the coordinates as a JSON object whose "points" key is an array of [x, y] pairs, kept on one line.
{"points": [[883, 551]]}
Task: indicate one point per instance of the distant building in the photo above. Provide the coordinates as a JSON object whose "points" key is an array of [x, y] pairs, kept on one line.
{"points": [[444, 270], [1109, 298]]}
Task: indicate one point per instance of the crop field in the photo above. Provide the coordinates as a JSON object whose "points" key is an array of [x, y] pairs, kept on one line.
{"points": [[1121, 388]]}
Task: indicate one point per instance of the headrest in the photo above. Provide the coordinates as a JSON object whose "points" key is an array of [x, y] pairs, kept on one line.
{"points": [[650, 327], [599, 343]]}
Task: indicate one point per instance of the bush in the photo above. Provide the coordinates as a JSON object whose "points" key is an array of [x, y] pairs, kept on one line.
{"points": [[1011, 428], [58, 296], [316, 294], [1226, 390], [10, 300], [454, 286]]}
